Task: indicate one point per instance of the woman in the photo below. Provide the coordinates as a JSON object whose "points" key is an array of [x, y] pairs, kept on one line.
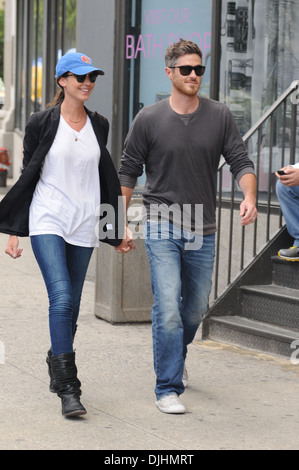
{"points": [[67, 174]]}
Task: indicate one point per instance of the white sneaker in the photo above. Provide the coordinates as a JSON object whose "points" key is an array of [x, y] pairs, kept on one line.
{"points": [[185, 377], [171, 404]]}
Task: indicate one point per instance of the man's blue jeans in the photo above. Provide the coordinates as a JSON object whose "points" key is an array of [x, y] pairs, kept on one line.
{"points": [[64, 268], [181, 280], [289, 203]]}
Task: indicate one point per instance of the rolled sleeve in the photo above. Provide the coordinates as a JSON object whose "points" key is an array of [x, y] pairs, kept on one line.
{"points": [[245, 171], [235, 151], [127, 181]]}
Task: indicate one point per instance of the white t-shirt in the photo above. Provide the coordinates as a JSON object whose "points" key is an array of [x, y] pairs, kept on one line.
{"points": [[68, 192]]}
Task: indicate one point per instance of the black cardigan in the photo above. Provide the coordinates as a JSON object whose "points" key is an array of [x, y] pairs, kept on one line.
{"points": [[39, 136]]}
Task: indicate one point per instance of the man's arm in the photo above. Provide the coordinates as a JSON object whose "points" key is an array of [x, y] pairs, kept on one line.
{"points": [[131, 167], [127, 244], [248, 210], [127, 195]]}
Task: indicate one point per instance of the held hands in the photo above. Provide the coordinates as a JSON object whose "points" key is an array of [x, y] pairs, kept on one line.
{"points": [[12, 248], [127, 243]]}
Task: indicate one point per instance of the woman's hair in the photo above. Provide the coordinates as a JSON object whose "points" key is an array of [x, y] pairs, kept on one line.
{"points": [[59, 97], [178, 49]]}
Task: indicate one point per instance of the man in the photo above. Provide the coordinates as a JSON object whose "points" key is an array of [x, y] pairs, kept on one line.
{"points": [[287, 189], [180, 141]]}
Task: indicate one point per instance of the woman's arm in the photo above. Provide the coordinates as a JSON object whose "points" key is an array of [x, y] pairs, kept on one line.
{"points": [[12, 248]]}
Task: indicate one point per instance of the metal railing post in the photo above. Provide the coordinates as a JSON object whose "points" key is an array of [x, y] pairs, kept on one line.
{"points": [[259, 129]]}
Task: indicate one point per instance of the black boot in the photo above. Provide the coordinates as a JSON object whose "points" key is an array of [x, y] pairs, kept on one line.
{"points": [[67, 385], [48, 361], [51, 375]]}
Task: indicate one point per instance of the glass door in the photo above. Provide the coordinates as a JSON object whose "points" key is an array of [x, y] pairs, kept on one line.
{"points": [[154, 25]]}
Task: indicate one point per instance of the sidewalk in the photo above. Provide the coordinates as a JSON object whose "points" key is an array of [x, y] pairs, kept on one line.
{"points": [[236, 399]]}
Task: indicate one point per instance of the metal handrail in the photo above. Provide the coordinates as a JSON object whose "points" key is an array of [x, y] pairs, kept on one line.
{"points": [[267, 206], [293, 87]]}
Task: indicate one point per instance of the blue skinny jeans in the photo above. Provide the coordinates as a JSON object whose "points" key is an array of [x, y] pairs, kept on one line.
{"points": [[64, 268]]}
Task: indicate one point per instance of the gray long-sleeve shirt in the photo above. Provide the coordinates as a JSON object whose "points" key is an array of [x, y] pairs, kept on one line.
{"points": [[181, 156]]}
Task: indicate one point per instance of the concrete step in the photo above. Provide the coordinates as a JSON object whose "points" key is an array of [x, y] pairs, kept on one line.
{"points": [[253, 335], [271, 304], [267, 317]]}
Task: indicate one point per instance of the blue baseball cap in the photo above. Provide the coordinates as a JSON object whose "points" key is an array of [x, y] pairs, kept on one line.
{"points": [[77, 63]]}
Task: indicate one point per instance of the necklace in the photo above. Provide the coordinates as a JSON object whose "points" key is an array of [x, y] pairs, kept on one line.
{"points": [[76, 122], [73, 130], [76, 136], [75, 133], [71, 120]]}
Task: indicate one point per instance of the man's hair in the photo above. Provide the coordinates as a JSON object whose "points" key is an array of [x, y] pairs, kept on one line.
{"points": [[179, 49]]}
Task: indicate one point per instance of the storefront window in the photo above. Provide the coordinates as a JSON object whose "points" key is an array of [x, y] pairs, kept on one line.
{"points": [[46, 30], [66, 30], [156, 24], [260, 55], [2, 87], [69, 27], [36, 58], [164, 22], [260, 60]]}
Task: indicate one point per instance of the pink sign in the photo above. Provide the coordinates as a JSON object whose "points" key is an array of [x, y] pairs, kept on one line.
{"points": [[153, 44]]}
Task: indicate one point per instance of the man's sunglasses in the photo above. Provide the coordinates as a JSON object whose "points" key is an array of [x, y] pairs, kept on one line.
{"points": [[187, 69], [81, 78]]}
